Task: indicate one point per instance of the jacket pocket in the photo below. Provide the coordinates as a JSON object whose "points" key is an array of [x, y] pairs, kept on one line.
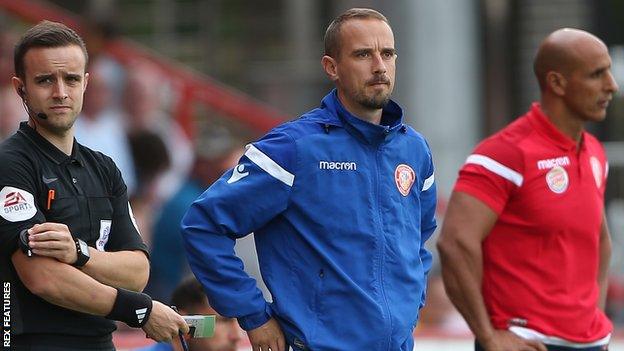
{"points": [[60, 210], [318, 303]]}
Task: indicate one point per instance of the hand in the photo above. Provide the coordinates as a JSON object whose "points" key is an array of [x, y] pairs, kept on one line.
{"points": [[267, 336], [508, 341], [53, 240], [164, 324]]}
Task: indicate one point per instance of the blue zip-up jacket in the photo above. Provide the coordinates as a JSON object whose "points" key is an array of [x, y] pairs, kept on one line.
{"points": [[341, 209]]}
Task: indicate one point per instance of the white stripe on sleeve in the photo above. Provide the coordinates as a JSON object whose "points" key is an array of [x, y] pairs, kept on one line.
{"points": [[428, 182], [495, 167], [268, 165]]}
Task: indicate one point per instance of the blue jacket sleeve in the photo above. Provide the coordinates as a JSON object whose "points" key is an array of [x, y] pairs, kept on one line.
{"points": [[428, 200], [241, 201]]}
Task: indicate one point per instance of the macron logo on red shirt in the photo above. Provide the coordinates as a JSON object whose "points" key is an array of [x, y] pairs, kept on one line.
{"points": [[553, 162]]}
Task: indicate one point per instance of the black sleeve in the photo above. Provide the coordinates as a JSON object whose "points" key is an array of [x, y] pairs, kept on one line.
{"points": [[18, 200], [124, 230]]}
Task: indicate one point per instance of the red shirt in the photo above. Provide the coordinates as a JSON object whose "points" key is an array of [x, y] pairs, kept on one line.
{"points": [[540, 261]]}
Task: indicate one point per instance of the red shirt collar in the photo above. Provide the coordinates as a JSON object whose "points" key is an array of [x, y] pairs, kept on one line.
{"points": [[541, 123]]}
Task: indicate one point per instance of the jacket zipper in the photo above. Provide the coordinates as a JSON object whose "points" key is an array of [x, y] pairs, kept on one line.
{"points": [[381, 236]]}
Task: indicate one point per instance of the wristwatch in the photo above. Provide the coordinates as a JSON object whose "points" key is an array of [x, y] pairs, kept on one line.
{"points": [[23, 243], [82, 253]]}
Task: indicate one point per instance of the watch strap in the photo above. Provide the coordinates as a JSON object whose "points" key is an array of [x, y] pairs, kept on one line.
{"points": [[23, 243]]}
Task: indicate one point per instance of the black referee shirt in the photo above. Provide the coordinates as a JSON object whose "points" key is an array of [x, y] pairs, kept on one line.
{"points": [[85, 191]]}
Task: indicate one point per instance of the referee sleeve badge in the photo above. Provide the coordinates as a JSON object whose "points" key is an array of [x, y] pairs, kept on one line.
{"points": [[17, 204]]}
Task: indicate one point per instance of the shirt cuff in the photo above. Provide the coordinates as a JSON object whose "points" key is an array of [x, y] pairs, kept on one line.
{"points": [[253, 321]]}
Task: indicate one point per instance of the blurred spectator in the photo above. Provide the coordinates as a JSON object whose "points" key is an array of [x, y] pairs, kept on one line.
{"points": [[11, 109], [100, 34], [142, 102], [190, 299], [7, 41], [167, 255], [100, 125], [151, 160], [217, 152], [150, 156]]}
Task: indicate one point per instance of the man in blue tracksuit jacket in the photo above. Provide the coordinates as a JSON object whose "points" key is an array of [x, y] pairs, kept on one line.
{"points": [[341, 201]]}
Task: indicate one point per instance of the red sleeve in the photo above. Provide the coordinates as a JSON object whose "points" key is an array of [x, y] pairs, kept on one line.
{"points": [[492, 173]]}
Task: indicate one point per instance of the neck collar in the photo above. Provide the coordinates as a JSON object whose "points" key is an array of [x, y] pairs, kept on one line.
{"points": [[46, 147], [391, 120], [540, 122]]}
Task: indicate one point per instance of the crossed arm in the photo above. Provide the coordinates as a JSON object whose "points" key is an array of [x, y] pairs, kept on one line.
{"points": [[121, 269], [63, 285], [50, 276]]}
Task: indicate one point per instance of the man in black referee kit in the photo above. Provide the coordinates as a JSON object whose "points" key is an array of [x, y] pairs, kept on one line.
{"points": [[69, 248]]}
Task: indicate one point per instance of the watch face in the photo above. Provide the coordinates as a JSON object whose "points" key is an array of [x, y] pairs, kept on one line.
{"points": [[84, 248]]}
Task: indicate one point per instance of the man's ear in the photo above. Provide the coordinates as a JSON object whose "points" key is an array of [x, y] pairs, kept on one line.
{"points": [[86, 82], [556, 82], [330, 67], [18, 85]]}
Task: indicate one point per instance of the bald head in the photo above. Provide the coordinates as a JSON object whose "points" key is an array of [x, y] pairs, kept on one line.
{"points": [[563, 51]]}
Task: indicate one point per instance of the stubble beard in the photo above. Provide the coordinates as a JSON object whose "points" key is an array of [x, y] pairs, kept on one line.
{"points": [[374, 102], [60, 126]]}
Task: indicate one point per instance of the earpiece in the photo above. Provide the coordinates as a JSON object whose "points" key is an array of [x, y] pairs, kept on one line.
{"points": [[22, 93]]}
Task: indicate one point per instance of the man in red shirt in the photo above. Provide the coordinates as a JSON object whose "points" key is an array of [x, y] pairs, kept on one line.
{"points": [[525, 246]]}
